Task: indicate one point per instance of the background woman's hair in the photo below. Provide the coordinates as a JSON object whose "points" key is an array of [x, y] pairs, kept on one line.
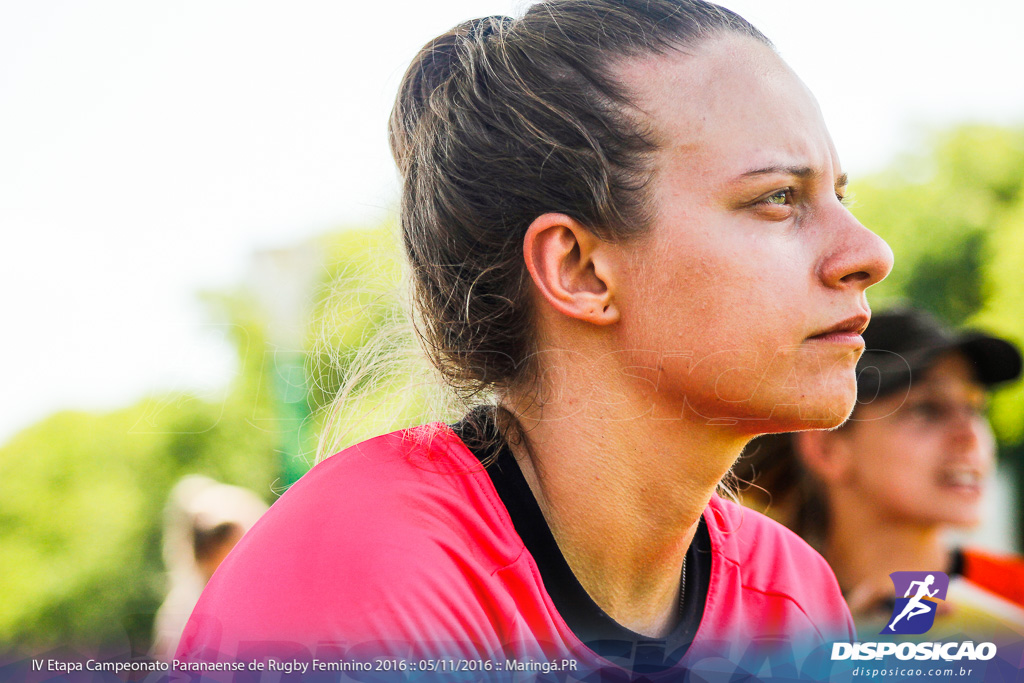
{"points": [[501, 120], [779, 485]]}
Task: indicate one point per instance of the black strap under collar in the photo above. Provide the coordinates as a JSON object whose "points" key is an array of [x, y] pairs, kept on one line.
{"points": [[587, 620]]}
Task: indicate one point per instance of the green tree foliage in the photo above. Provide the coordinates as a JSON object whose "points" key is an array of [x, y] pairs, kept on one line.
{"points": [[82, 511], [82, 507], [954, 217], [1003, 309], [938, 210]]}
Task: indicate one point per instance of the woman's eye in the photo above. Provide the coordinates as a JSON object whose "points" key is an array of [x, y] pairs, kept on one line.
{"points": [[928, 410], [780, 198]]}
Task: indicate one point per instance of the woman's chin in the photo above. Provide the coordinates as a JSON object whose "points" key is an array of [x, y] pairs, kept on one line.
{"points": [[803, 425], [820, 412], [779, 406]]}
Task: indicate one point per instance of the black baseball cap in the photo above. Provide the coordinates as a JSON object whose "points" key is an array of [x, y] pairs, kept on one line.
{"points": [[901, 344]]}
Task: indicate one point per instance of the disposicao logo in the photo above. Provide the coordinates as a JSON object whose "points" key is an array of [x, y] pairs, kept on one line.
{"points": [[914, 613]]}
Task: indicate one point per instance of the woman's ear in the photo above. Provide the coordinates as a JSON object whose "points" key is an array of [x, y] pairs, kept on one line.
{"points": [[825, 453], [572, 268]]}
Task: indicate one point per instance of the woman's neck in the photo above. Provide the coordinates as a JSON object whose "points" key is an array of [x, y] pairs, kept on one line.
{"points": [[622, 494]]}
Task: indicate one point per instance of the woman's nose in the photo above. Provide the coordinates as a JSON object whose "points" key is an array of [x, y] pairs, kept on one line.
{"points": [[859, 258]]}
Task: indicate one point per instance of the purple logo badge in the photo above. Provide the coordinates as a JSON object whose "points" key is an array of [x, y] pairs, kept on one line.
{"points": [[917, 596]]}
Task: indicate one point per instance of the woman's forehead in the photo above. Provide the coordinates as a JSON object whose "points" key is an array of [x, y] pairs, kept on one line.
{"points": [[949, 377], [731, 105], [950, 372]]}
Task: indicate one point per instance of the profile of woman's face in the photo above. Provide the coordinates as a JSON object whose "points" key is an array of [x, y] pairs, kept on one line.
{"points": [[750, 285], [923, 456]]}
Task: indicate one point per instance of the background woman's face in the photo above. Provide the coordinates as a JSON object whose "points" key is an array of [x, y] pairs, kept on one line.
{"points": [[752, 256], [924, 456]]}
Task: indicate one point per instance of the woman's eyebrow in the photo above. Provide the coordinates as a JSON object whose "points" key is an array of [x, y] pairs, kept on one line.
{"points": [[798, 171], [802, 172]]}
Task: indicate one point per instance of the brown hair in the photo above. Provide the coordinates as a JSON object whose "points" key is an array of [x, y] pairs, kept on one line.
{"points": [[781, 486], [501, 120]]}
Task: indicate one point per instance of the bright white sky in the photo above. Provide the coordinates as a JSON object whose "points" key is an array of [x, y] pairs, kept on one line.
{"points": [[147, 149]]}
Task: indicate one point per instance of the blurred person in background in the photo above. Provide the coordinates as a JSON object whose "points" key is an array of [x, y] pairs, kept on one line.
{"points": [[880, 493], [203, 521]]}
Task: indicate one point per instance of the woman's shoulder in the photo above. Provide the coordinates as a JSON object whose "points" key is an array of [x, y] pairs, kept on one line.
{"points": [[747, 536], [423, 450], [408, 486], [360, 547], [775, 568], [396, 480]]}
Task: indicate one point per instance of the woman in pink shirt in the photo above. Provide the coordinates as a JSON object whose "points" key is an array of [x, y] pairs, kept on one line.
{"points": [[625, 226]]}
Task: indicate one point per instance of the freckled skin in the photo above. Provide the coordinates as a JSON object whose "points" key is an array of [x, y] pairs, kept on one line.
{"points": [[716, 330], [740, 287]]}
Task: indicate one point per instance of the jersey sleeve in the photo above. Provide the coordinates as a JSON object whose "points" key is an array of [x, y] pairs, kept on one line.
{"points": [[779, 585], [369, 553]]}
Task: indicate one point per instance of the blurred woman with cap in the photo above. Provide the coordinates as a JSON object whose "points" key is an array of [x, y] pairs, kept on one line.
{"points": [[879, 494]]}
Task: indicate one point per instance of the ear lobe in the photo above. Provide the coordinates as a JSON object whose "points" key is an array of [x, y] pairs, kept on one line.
{"points": [[571, 268], [824, 453]]}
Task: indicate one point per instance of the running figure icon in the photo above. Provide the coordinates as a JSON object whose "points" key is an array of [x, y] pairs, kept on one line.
{"points": [[922, 592], [916, 605]]}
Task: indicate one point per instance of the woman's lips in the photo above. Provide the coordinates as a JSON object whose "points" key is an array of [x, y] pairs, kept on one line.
{"points": [[847, 338], [964, 481], [846, 332]]}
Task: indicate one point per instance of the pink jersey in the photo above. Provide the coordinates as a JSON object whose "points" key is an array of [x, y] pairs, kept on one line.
{"points": [[400, 546]]}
